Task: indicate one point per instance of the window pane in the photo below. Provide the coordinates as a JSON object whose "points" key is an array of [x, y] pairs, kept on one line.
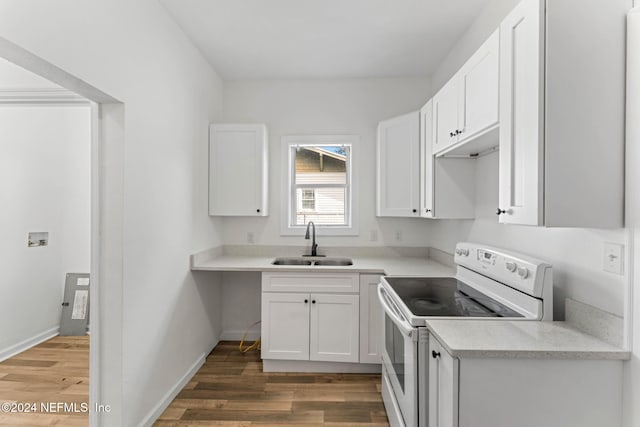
{"points": [[321, 164], [325, 208]]}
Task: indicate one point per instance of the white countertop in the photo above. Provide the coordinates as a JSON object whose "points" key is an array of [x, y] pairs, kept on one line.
{"points": [[391, 266], [520, 340]]}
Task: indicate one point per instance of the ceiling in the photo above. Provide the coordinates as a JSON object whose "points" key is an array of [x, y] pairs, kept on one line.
{"points": [[284, 39]]}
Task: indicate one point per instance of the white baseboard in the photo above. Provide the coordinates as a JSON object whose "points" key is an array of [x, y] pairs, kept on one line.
{"points": [[28, 343], [236, 335], [269, 365], [166, 400]]}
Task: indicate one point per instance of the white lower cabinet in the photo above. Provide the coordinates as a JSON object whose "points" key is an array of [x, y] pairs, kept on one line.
{"points": [[307, 324], [334, 328], [523, 392], [285, 326], [371, 316], [443, 386]]}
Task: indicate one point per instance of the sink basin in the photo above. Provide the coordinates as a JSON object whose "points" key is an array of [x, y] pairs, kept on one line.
{"points": [[313, 261], [334, 261], [291, 261]]}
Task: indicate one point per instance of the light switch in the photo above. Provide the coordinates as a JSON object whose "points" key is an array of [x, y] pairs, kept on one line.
{"points": [[613, 257]]}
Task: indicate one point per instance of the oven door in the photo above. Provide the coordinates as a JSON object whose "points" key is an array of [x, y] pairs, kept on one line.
{"points": [[399, 357]]}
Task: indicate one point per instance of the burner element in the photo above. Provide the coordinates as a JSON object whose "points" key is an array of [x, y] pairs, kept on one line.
{"points": [[426, 304]]}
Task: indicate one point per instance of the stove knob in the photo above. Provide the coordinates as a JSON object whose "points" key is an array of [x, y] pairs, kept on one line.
{"points": [[458, 251], [523, 272], [464, 252], [511, 266]]}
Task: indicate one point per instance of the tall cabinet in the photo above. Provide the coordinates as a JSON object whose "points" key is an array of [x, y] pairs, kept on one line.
{"points": [[562, 92], [238, 170]]}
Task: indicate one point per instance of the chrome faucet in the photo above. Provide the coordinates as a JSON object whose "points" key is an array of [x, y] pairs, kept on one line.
{"points": [[314, 245]]}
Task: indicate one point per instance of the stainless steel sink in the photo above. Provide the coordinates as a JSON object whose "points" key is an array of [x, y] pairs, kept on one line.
{"points": [[291, 261], [314, 261], [334, 261]]}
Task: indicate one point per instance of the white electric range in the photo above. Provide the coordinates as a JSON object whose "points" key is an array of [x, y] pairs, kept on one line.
{"points": [[489, 283]]}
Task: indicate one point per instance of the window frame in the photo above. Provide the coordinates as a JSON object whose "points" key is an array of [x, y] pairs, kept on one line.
{"points": [[288, 211]]}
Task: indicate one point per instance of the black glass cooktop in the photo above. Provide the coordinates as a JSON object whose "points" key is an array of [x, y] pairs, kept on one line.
{"points": [[446, 297]]}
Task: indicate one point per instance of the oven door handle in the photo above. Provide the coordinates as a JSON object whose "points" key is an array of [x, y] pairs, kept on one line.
{"points": [[393, 312]]}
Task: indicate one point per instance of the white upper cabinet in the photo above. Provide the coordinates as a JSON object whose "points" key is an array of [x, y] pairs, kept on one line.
{"points": [[522, 116], [447, 186], [445, 116], [398, 163], [465, 110], [479, 91], [238, 170], [562, 97]]}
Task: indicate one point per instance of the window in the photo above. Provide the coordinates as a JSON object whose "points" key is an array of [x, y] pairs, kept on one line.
{"points": [[308, 200], [319, 182]]}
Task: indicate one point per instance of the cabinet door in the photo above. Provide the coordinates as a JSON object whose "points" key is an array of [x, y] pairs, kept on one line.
{"points": [[398, 164], [238, 175], [447, 186], [478, 80], [371, 316], [443, 386], [285, 326], [521, 115], [426, 160], [334, 328], [445, 115]]}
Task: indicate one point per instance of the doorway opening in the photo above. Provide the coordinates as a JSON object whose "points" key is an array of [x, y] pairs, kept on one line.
{"points": [[94, 172]]}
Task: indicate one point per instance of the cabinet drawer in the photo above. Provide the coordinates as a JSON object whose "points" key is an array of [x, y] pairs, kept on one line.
{"points": [[311, 282]]}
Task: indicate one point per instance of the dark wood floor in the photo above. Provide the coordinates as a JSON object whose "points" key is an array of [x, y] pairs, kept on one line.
{"points": [[231, 390], [56, 370]]}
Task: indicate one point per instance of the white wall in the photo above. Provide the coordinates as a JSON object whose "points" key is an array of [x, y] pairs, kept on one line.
{"points": [[44, 186], [486, 22], [134, 52], [322, 107]]}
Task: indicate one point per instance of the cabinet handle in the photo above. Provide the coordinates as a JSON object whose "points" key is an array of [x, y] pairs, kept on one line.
{"points": [[435, 354], [427, 210], [500, 211], [415, 210], [306, 301], [458, 131], [313, 301], [258, 210], [452, 134]]}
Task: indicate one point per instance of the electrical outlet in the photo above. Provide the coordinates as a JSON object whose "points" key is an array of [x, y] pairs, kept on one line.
{"points": [[374, 236], [250, 237], [398, 235], [613, 257]]}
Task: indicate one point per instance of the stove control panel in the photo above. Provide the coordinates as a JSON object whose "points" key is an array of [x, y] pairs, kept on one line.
{"points": [[521, 272]]}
